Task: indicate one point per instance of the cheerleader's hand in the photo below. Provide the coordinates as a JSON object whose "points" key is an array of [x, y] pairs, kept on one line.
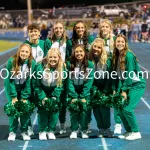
{"points": [[73, 100], [124, 95], [14, 100], [43, 101], [24, 101], [83, 100], [114, 92]]}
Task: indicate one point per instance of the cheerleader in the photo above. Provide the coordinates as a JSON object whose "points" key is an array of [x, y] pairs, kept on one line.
{"points": [[38, 50], [79, 88], [48, 87], [102, 63], [58, 39], [38, 53], [106, 33], [80, 36], [19, 88], [129, 83]]}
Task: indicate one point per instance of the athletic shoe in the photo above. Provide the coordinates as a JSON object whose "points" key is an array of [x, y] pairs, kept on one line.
{"points": [[12, 136], [73, 135], [51, 136], [109, 133], [134, 136], [84, 135], [101, 133], [62, 128], [42, 136], [30, 131], [124, 135], [25, 136], [117, 129]]}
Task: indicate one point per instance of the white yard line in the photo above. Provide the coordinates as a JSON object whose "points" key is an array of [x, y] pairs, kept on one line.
{"points": [[104, 144], [27, 142]]}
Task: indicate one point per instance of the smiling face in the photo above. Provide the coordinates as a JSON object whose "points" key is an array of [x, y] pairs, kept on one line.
{"points": [[97, 49], [80, 29], [105, 29], [79, 53], [34, 34], [24, 52], [58, 30], [53, 59], [120, 43]]}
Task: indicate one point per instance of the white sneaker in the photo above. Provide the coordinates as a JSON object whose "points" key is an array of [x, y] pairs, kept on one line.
{"points": [[134, 136], [84, 135], [51, 136], [109, 133], [62, 128], [25, 136], [42, 136], [117, 129], [73, 135], [30, 131], [12, 136], [124, 135], [101, 133]]}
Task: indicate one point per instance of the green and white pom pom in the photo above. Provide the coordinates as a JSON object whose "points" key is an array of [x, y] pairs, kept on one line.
{"points": [[119, 102], [19, 108], [51, 105]]}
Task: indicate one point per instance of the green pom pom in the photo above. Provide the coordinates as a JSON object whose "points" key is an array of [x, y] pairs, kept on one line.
{"points": [[19, 108], [119, 102], [99, 99], [74, 107], [51, 105]]}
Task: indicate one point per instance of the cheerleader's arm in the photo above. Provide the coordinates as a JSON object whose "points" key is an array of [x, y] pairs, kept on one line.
{"points": [[36, 83]]}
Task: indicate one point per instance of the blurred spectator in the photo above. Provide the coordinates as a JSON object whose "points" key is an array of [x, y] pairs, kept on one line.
{"points": [[44, 32], [144, 30], [135, 31]]}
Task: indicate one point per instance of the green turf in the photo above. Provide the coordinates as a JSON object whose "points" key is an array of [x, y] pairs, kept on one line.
{"points": [[5, 45]]}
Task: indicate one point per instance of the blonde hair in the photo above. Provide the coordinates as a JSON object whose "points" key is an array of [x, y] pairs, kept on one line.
{"points": [[59, 67], [103, 55], [110, 34], [64, 37]]}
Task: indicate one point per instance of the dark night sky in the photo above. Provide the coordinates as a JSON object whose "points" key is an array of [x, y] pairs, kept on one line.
{"points": [[21, 4]]}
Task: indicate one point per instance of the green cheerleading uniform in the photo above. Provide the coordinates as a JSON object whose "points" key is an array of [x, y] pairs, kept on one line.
{"points": [[80, 89], [80, 41], [134, 85], [38, 50], [110, 53], [46, 88], [108, 48], [102, 114], [38, 53], [62, 47], [19, 88], [69, 52]]}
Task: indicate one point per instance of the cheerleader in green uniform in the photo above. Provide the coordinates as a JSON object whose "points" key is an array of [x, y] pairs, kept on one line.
{"points": [[106, 33], [47, 86], [79, 85], [102, 63], [58, 39], [38, 50], [38, 53], [19, 88], [129, 83], [81, 36]]}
